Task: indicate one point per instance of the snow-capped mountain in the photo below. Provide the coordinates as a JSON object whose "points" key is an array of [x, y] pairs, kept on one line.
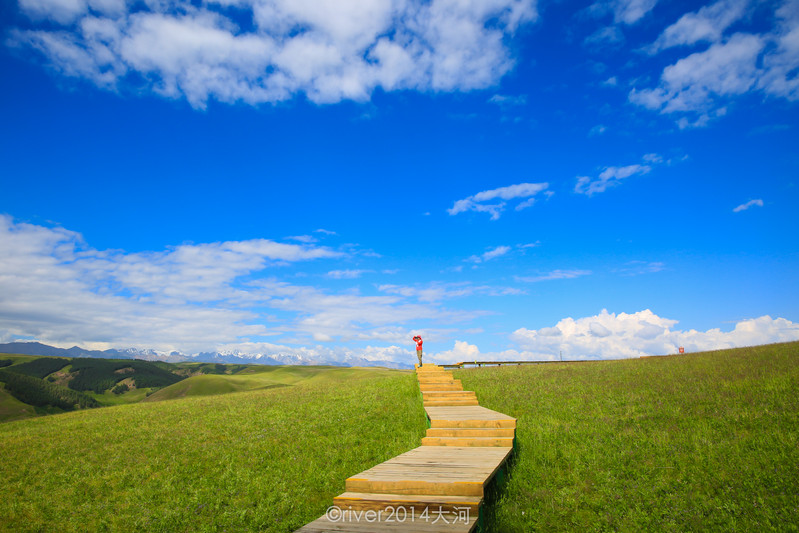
{"points": [[226, 357]]}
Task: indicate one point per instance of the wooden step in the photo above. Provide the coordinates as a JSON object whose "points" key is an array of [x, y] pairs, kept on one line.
{"points": [[433, 373], [454, 385], [435, 379], [471, 432], [354, 523], [448, 394], [480, 442], [450, 402], [432, 470], [468, 417], [417, 502]]}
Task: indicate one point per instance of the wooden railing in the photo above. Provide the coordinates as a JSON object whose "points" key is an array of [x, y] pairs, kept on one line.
{"points": [[467, 364]]}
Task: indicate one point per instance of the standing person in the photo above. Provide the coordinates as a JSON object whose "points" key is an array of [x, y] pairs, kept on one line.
{"points": [[418, 340]]}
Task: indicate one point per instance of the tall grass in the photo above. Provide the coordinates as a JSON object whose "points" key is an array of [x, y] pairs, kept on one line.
{"points": [[697, 442], [267, 460]]}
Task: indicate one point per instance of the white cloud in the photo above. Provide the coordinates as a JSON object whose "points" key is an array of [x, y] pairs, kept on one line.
{"points": [[624, 11], [606, 35], [462, 351], [743, 207], [346, 274], [612, 336], [508, 101], [501, 195], [708, 24], [328, 50], [636, 268], [691, 84], [599, 129], [701, 84], [609, 177], [499, 251], [553, 275], [436, 291], [56, 289]]}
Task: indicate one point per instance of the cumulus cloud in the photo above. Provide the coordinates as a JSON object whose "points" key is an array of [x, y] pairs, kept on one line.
{"points": [[273, 50], [611, 336], [698, 87], [751, 203], [499, 198]]}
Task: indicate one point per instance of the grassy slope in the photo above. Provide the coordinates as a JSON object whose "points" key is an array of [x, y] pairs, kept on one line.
{"points": [[264, 460], [698, 442], [258, 377], [13, 409], [10, 407]]}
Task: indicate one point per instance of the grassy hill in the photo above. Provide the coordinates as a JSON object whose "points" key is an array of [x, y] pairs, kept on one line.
{"points": [[704, 441], [104, 382], [256, 377], [261, 460], [696, 442]]}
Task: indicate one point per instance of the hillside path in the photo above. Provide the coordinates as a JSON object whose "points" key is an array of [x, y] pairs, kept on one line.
{"points": [[437, 487]]}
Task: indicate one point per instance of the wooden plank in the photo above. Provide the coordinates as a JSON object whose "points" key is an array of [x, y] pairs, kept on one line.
{"points": [[467, 417], [418, 502], [443, 470], [432, 524], [471, 432], [468, 441]]}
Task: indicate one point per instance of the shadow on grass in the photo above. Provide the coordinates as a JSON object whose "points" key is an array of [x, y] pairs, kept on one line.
{"points": [[495, 490]]}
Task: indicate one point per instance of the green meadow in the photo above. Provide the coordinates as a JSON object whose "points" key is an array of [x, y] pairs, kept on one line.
{"points": [[700, 442], [696, 442], [259, 460]]}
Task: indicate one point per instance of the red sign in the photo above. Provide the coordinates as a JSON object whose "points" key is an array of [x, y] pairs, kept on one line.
{"points": [[682, 350]]}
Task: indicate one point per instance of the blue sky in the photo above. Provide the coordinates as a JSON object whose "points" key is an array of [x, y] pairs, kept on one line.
{"points": [[510, 179]]}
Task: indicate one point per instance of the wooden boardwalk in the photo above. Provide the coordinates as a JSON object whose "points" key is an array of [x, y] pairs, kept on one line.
{"points": [[437, 487]]}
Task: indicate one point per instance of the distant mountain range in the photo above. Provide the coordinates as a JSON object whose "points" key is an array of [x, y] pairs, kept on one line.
{"points": [[37, 348]]}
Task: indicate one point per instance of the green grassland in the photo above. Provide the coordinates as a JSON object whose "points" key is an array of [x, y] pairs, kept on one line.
{"points": [[255, 377], [704, 441], [260, 460], [696, 442]]}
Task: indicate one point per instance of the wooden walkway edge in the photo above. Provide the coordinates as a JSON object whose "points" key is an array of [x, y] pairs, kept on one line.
{"points": [[437, 487]]}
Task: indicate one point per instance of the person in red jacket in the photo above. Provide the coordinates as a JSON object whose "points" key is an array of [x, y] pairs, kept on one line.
{"points": [[418, 340]]}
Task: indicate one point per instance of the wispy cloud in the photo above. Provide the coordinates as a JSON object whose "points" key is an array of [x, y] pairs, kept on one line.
{"points": [[493, 253], [327, 51], [437, 291], [599, 129], [500, 196], [508, 101], [610, 177], [307, 239], [636, 268], [751, 203], [553, 275], [346, 274]]}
